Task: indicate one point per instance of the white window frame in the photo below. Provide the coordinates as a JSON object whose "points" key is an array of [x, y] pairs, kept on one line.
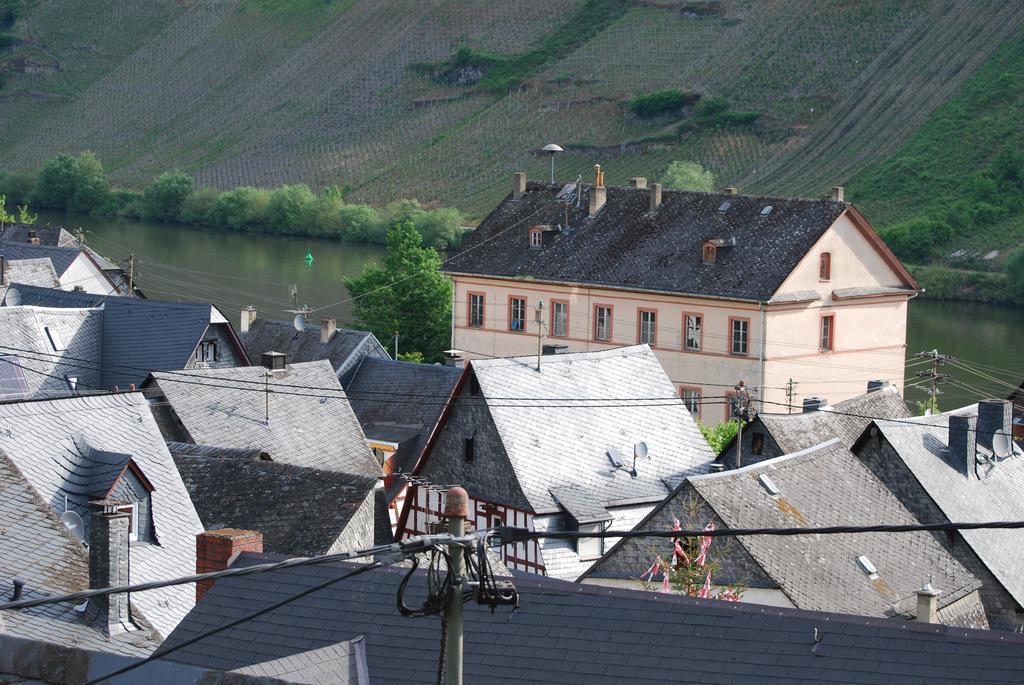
{"points": [[602, 323], [133, 522], [560, 319], [696, 327], [476, 310], [589, 549], [648, 327], [741, 336], [512, 307]]}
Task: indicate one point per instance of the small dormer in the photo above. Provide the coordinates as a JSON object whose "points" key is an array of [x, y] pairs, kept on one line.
{"points": [[536, 235], [708, 252]]}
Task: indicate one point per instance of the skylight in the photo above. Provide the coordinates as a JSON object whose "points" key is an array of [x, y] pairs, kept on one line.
{"points": [[768, 484], [55, 339], [867, 567], [724, 206], [12, 378], [766, 211]]}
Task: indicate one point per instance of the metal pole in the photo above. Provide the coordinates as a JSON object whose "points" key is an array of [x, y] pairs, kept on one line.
{"points": [[538, 319], [739, 443], [267, 388], [396, 346], [552, 168], [456, 509], [131, 274]]}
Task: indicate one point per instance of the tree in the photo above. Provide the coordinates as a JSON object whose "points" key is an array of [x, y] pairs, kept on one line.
{"points": [[91, 184], [719, 435], [688, 176], [408, 295], [292, 209], [689, 568], [164, 197], [1015, 272], [78, 183]]}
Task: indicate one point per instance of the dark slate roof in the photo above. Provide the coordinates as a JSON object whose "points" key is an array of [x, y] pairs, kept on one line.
{"points": [[36, 547], [922, 443], [627, 246], [38, 272], [299, 511], [311, 422], [823, 486], [305, 346], [47, 235], [395, 399], [60, 257], [139, 335], [187, 449], [568, 633]]}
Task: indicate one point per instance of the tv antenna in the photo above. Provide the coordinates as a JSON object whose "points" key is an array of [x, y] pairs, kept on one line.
{"points": [[299, 322]]}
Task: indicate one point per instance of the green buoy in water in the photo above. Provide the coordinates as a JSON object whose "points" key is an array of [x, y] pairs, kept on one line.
{"points": [[309, 259]]}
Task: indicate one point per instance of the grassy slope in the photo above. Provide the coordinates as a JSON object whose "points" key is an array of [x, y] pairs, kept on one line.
{"points": [[271, 91]]}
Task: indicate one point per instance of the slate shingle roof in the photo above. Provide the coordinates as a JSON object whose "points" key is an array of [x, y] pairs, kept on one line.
{"points": [[35, 546], [568, 633], [337, 664], [45, 440], [922, 443], [627, 246], [138, 335], [60, 257], [37, 272], [558, 443], [343, 350], [45, 368], [300, 511], [400, 399], [311, 422], [47, 235]]}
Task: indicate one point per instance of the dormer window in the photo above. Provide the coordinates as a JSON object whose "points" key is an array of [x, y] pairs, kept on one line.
{"points": [[536, 239], [207, 351], [708, 256]]}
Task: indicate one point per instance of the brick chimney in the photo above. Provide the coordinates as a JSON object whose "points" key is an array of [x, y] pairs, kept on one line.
{"points": [[249, 315], [108, 566], [928, 604], [598, 194], [730, 190], [655, 195], [994, 415], [518, 185], [962, 443], [33, 238], [638, 182], [327, 329], [216, 550], [837, 193]]}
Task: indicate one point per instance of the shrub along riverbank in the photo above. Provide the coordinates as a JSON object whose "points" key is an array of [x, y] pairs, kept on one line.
{"points": [[79, 184]]}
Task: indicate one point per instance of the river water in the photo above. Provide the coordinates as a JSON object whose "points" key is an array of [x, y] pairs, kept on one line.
{"points": [[233, 270]]}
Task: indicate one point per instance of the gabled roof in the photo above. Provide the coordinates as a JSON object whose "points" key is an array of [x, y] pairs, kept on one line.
{"points": [[46, 439], [627, 246], [300, 511], [568, 633], [187, 449], [60, 257], [139, 335], [38, 272], [45, 368], [922, 443], [845, 420], [825, 485], [305, 346], [400, 400], [36, 547], [311, 422], [557, 425], [47, 235]]}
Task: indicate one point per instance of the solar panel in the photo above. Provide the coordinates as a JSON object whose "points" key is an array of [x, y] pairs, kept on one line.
{"points": [[12, 378]]}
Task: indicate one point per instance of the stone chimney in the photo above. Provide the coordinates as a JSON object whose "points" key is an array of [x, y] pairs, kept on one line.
{"points": [[249, 315], [518, 185], [3, 270], [837, 193], [216, 550], [33, 238], [274, 361], [962, 443], [928, 604], [655, 195], [730, 190], [993, 415], [327, 329], [638, 182], [598, 194], [108, 566]]}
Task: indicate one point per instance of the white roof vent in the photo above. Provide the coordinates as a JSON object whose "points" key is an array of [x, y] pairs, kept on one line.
{"points": [[766, 211], [866, 566], [724, 206], [768, 484]]}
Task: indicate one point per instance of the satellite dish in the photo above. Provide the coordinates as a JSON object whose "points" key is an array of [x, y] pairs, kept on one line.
{"points": [[299, 322], [551, 147], [640, 450], [13, 298], [1002, 447], [73, 522]]}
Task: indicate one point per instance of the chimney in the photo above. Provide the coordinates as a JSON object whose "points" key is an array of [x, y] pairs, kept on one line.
{"points": [[33, 238], [518, 185], [18, 585], [655, 194], [730, 190], [814, 404], [273, 361], [3, 270], [216, 550], [876, 385], [249, 315], [327, 329], [928, 604], [837, 194], [994, 415], [962, 443], [598, 194], [108, 566], [638, 182]]}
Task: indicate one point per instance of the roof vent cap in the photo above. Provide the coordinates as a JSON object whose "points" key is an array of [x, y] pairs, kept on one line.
{"points": [[724, 206], [866, 566], [768, 484], [767, 210]]}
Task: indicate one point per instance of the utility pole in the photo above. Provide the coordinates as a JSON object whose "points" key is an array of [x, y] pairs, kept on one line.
{"points": [[790, 388], [267, 389], [743, 411], [456, 509], [131, 274], [934, 377], [538, 318]]}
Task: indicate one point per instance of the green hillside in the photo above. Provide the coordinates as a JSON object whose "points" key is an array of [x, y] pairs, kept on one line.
{"points": [[900, 100]]}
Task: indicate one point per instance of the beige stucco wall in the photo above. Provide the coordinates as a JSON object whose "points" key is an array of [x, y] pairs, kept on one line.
{"points": [[84, 273]]}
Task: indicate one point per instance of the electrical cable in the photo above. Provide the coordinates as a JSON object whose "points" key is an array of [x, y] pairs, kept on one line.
{"points": [[161, 653]]}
